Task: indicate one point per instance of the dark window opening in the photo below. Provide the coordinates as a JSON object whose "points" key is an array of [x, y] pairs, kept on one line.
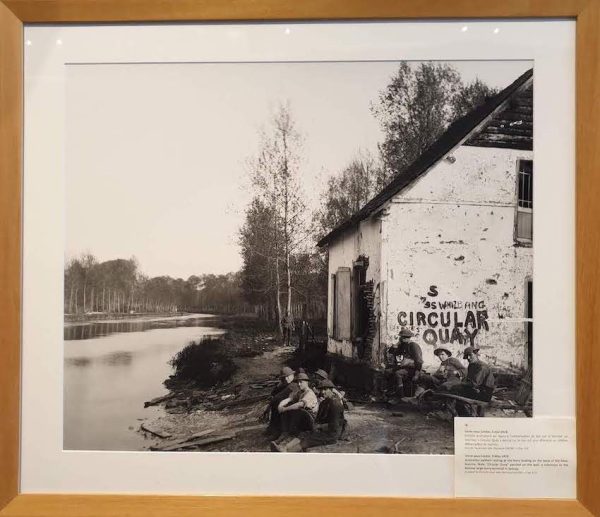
{"points": [[526, 183], [524, 223]]}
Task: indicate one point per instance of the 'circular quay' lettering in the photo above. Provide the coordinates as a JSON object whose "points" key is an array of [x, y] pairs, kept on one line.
{"points": [[447, 321]]}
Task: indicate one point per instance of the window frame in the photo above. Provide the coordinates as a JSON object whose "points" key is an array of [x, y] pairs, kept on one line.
{"points": [[524, 241]]}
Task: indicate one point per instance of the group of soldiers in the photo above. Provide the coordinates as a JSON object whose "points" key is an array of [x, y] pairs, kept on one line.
{"points": [[304, 413], [403, 371]]}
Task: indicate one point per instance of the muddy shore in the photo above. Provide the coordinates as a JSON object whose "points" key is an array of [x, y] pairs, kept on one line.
{"points": [[229, 412], [226, 417]]}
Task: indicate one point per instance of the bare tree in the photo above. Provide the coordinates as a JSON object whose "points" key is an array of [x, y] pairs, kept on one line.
{"points": [[276, 180]]}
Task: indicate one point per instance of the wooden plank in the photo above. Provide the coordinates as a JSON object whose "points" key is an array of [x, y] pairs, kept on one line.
{"points": [[588, 257], [158, 400], [462, 399], [160, 434], [147, 10], [185, 506], [195, 443], [239, 402], [177, 444], [11, 124]]}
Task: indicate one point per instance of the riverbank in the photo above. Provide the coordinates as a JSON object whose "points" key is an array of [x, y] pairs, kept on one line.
{"points": [[226, 416]]}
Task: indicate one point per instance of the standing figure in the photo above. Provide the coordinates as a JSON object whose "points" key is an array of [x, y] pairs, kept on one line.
{"points": [[287, 324], [304, 334]]}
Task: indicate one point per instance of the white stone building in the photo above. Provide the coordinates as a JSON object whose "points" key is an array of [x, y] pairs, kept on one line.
{"points": [[446, 248]]}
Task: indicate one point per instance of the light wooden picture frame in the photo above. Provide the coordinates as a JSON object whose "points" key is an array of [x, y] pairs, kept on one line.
{"points": [[15, 13]]}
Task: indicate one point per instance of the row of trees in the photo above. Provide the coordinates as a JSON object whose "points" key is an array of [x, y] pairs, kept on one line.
{"points": [[118, 286], [277, 239]]}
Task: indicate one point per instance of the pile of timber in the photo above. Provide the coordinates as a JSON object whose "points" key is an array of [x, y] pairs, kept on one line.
{"points": [[197, 440], [202, 439], [187, 400], [367, 292]]}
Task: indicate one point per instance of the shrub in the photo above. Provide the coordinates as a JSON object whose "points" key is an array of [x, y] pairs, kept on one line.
{"points": [[205, 362]]}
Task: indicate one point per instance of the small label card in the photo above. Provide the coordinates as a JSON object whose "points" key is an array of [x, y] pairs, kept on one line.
{"points": [[514, 457]]}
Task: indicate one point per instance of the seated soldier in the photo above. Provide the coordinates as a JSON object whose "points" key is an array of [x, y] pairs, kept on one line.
{"points": [[283, 390], [479, 383], [322, 375], [329, 423], [298, 411], [450, 372], [403, 364]]}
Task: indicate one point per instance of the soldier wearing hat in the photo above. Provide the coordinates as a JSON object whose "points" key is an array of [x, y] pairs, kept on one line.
{"points": [[283, 390], [298, 410], [450, 372], [404, 363], [322, 375], [329, 423], [479, 383]]}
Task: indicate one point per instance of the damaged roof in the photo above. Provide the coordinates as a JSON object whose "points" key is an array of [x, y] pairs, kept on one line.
{"points": [[497, 132], [511, 127]]}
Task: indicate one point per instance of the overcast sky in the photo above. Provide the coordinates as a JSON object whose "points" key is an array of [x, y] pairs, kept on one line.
{"points": [[156, 153]]}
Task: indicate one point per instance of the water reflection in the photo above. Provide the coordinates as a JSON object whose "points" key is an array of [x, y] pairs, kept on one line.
{"points": [[118, 359], [90, 330], [111, 369]]}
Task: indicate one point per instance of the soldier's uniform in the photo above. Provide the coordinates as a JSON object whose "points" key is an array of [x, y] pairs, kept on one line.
{"points": [[479, 385], [406, 359], [281, 392], [450, 373], [330, 422], [301, 419]]}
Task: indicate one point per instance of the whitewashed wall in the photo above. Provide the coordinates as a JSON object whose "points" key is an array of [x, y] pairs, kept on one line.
{"points": [[454, 229], [365, 240]]}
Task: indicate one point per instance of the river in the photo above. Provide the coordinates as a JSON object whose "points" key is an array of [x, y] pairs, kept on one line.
{"points": [[112, 367]]}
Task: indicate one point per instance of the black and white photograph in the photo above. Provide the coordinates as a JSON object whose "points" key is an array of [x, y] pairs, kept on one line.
{"points": [[296, 257]]}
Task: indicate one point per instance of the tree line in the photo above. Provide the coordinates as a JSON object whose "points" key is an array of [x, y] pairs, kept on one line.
{"points": [[119, 287]]}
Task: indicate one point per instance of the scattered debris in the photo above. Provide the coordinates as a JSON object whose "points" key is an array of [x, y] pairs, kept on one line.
{"points": [[200, 434], [239, 402], [159, 400], [195, 443], [159, 434], [397, 445]]}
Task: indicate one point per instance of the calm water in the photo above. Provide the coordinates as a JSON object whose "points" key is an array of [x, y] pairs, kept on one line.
{"points": [[112, 368]]}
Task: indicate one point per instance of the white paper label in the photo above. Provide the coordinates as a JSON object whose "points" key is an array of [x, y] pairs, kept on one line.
{"points": [[515, 457]]}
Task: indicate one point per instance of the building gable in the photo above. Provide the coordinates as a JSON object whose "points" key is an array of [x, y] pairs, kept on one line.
{"points": [[457, 134]]}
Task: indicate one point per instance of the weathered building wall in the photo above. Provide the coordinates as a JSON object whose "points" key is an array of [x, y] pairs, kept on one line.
{"points": [[365, 240], [450, 262]]}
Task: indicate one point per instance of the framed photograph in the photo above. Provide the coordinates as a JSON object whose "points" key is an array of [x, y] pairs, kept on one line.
{"points": [[282, 240]]}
